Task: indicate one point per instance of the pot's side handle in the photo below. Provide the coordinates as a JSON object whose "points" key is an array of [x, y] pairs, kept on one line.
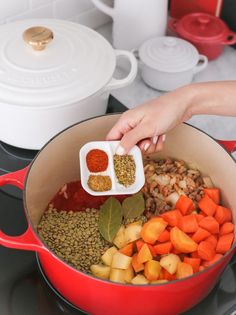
{"points": [[230, 40], [27, 240], [202, 63], [229, 145], [103, 7], [119, 83]]}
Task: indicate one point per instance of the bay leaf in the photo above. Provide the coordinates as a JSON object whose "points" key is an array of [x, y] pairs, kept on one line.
{"points": [[110, 218], [133, 206]]}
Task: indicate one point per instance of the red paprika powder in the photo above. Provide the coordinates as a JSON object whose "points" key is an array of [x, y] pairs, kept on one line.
{"points": [[97, 160]]}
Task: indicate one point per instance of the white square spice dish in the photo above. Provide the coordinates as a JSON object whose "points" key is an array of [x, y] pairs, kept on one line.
{"points": [[109, 147]]}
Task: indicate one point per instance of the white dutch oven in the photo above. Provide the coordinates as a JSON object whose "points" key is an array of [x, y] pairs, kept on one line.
{"points": [[52, 77], [169, 62]]}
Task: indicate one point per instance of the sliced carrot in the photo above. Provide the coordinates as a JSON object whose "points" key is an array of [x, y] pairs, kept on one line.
{"points": [[184, 270], [172, 217], [226, 228], [210, 224], [152, 270], [163, 248], [164, 236], [212, 239], [127, 250], [214, 194], [152, 229], [210, 262], [165, 275], [206, 251], [185, 204], [139, 244], [194, 262], [202, 213], [207, 205], [152, 250], [223, 215], [224, 243], [199, 217], [195, 255], [144, 254], [176, 251], [136, 264], [181, 241], [188, 223], [200, 235]]}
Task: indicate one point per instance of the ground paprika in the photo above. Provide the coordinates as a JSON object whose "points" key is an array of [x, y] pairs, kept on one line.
{"points": [[97, 160]]}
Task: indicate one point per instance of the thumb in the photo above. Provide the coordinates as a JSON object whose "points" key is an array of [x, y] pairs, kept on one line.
{"points": [[132, 137]]}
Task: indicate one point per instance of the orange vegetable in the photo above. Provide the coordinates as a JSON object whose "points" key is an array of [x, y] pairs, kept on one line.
{"points": [[136, 264], [139, 244], [200, 235], [201, 268], [194, 255], [152, 270], [223, 215], [199, 217], [226, 228], [165, 275], [210, 224], [172, 217], [202, 213], [185, 205], [212, 239], [152, 229], [188, 223], [207, 205], [214, 194], [164, 236], [224, 243], [163, 248], [144, 254], [206, 251], [194, 262], [184, 270], [152, 250], [181, 241], [210, 262], [176, 251], [127, 250]]}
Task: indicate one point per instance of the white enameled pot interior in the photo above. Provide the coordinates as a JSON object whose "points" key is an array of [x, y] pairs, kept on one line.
{"points": [[58, 161]]}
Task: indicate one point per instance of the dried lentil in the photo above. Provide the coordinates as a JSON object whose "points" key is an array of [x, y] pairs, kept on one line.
{"points": [[73, 236], [125, 169]]}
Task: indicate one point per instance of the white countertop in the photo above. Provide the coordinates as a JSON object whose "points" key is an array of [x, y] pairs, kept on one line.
{"points": [[223, 68]]}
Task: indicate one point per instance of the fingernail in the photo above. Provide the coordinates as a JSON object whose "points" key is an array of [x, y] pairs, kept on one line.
{"points": [[120, 150], [155, 139], [163, 138], [146, 146]]}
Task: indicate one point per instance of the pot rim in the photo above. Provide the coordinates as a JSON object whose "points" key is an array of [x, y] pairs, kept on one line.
{"points": [[49, 251]]}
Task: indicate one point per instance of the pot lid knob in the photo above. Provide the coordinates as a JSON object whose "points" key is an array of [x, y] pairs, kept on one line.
{"points": [[170, 42], [38, 37]]}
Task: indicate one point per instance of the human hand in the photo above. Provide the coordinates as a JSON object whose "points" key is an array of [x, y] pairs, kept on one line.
{"points": [[147, 124]]}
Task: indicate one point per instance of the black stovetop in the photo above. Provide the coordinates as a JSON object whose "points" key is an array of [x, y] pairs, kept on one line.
{"points": [[25, 291]]}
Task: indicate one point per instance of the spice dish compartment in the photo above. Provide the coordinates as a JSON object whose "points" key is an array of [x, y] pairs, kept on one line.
{"points": [[110, 147]]}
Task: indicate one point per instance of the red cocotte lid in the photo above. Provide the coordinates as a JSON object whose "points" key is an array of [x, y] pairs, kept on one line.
{"points": [[203, 27]]}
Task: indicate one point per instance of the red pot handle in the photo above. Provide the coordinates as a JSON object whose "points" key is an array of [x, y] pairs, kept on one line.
{"points": [[172, 25], [27, 240], [229, 145], [231, 39]]}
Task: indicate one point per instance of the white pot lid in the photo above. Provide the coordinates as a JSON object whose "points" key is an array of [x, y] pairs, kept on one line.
{"points": [[168, 54], [77, 63]]}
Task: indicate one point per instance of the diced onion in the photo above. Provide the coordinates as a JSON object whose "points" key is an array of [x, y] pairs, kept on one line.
{"points": [[172, 198], [208, 182], [182, 184], [163, 180]]}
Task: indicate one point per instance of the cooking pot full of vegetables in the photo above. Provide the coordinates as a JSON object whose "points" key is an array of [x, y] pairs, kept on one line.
{"points": [[57, 165], [53, 73]]}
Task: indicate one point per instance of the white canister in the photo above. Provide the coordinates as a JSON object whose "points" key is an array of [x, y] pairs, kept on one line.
{"points": [[169, 62], [135, 21], [43, 91]]}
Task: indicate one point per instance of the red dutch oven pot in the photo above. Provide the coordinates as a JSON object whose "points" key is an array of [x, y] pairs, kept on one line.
{"points": [[206, 32], [58, 163]]}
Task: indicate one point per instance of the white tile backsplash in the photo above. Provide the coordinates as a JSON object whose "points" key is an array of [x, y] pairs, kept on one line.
{"points": [[81, 11]]}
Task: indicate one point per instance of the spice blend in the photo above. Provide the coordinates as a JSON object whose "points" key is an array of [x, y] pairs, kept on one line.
{"points": [[97, 160], [125, 168], [99, 182]]}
